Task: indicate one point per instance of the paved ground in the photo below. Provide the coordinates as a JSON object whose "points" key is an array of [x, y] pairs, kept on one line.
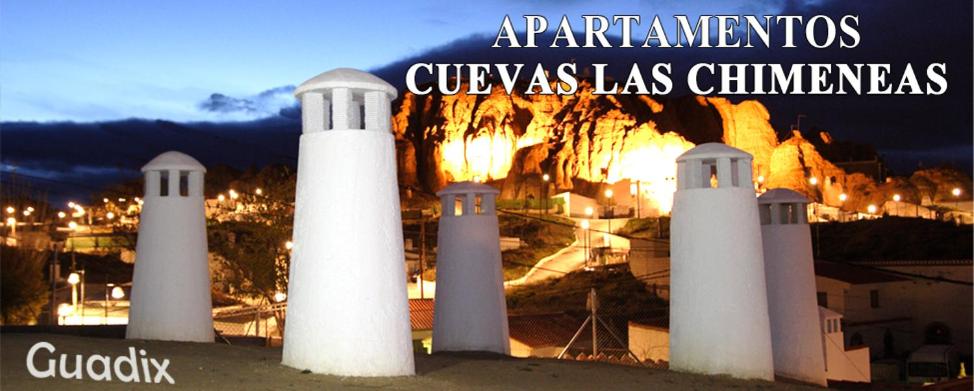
{"points": [[572, 257], [221, 367]]}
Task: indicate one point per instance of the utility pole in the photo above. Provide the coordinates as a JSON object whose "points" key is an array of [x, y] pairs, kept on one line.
{"points": [[593, 301], [54, 276]]}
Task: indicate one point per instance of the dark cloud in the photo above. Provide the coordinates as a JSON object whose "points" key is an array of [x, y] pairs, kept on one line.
{"points": [[265, 104]]}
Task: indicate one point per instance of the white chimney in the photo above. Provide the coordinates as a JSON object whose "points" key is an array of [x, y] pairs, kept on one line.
{"points": [[790, 271], [718, 299], [171, 282], [471, 312], [348, 313]]}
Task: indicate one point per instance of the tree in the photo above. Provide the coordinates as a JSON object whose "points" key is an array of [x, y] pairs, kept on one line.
{"points": [[23, 291], [250, 233]]}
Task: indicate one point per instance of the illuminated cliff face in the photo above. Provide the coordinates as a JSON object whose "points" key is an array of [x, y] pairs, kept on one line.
{"points": [[591, 138]]}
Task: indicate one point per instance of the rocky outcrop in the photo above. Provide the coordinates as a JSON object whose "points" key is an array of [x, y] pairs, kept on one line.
{"points": [[585, 139]]}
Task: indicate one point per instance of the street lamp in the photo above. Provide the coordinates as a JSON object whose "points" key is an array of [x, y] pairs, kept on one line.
{"points": [[544, 191], [12, 223], [280, 296], [110, 215], [259, 191], [871, 209], [11, 210], [61, 215], [73, 225], [288, 244], [634, 192], [585, 227], [956, 193], [896, 200], [74, 279], [813, 181]]}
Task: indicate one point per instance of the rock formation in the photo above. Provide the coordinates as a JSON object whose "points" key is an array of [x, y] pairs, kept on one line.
{"points": [[585, 139]]}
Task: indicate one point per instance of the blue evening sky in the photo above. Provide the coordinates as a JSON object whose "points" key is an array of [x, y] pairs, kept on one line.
{"points": [[112, 59]]}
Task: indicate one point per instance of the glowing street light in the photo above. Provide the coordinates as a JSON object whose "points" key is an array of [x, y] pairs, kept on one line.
{"points": [[73, 225], [11, 210], [609, 211], [843, 197], [118, 293], [955, 192], [74, 278], [589, 211], [280, 296], [871, 209], [896, 198], [288, 244], [258, 191], [26, 213], [110, 215], [61, 215], [220, 197], [72, 205], [105, 200], [760, 178], [546, 177], [813, 181], [30, 208], [12, 223], [233, 194]]}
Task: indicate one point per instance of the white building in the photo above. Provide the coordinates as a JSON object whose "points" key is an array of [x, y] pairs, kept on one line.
{"points": [[348, 313], [471, 312], [790, 273], [718, 303], [841, 363], [171, 281]]}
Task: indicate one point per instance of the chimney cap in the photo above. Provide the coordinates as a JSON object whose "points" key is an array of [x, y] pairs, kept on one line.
{"points": [[346, 78], [782, 196], [467, 187], [712, 151], [173, 160]]}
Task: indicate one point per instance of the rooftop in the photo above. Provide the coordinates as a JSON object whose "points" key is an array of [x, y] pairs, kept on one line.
{"points": [[467, 188], [854, 275], [543, 330], [782, 196], [354, 79], [421, 314], [173, 160], [713, 150]]}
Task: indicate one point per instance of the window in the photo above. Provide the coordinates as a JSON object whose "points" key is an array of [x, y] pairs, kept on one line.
{"points": [[765, 212], [164, 183], [874, 298], [458, 206], [478, 204], [735, 180], [823, 299], [184, 183]]}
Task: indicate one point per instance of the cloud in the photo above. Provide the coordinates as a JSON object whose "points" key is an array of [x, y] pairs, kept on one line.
{"points": [[269, 103]]}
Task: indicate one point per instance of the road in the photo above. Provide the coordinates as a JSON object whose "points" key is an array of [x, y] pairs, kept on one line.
{"points": [[572, 258]]}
